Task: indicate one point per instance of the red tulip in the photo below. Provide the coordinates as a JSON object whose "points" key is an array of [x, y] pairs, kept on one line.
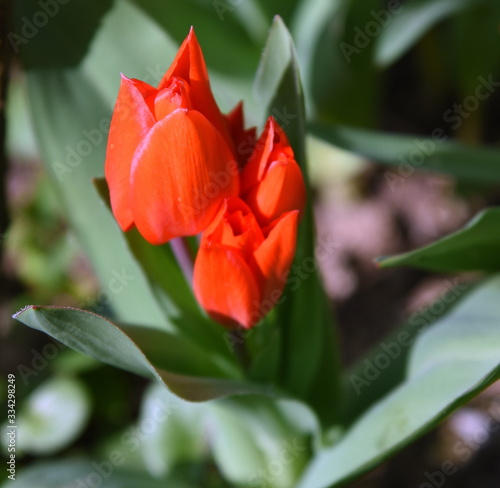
{"points": [[240, 270], [170, 159], [272, 182]]}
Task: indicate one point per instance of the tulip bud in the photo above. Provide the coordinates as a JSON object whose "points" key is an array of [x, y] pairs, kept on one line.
{"points": [[240, 269], [272, 182], [169, 149]]}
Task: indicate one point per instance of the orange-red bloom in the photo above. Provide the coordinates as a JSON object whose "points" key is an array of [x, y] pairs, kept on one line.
{"points": [[272, 182], [170, 159], [241, 268]]}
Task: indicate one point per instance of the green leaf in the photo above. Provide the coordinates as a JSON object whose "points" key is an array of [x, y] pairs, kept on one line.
{"points": [[52, 416], [181, 366], [364, 383], [413, 153], [473, 248], [448, 364], [73, 147], [179, 435], [258, 441], [343, 80], [309, 348], [246, 434], [278, 89], [105, 473], [409, 22], [310, 20]]}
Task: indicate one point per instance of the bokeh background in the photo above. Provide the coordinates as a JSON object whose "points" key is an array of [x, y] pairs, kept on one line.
{"points": [[388, 76]]}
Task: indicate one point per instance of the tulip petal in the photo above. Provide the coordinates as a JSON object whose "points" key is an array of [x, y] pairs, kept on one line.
{"points": [[181, 173], [225, 286], [236, 227], [174, 96], [256, 166], [281, 190], [132, 120], [189, 64], [275, 256]]}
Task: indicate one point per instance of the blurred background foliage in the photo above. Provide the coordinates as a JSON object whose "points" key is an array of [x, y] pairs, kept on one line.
{"points": [[377, 76]]}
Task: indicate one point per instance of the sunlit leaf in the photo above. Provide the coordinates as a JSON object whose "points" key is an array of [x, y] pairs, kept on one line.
{"points": [[179, 434], [448, 364], [473, 248]]}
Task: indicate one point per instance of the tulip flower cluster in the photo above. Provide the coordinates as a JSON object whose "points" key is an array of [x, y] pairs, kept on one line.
{"points": [[175, 167]]}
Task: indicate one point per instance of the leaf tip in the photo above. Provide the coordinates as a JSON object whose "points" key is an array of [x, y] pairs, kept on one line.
{"points": [[24, 309]]}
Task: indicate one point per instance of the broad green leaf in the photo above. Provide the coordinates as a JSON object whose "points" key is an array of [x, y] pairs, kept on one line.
{"points": [[413, 153], [309, 22], [247, 435], [78, 472], [365, 383], [179, 434], [278, 89], [178, 364], [343, 85], [256, 444], [73, 147], [346, 83], [409, 22], [308, 346], [52, 416], [473, 248], [448, 364]]}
